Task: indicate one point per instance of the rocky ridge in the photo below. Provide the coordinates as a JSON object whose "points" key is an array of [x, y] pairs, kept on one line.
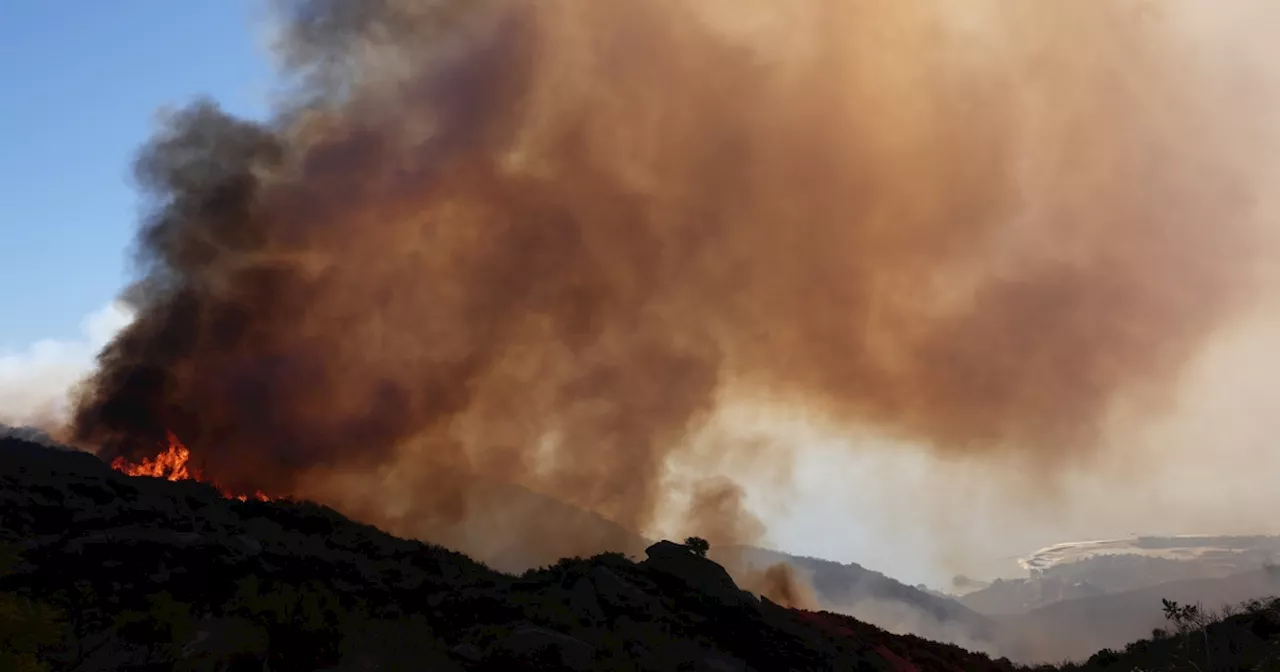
{"points": [[147, 574]]}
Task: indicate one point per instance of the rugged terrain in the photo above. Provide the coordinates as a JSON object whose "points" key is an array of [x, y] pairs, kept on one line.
{"points": [[104, 571], [140, 573]]}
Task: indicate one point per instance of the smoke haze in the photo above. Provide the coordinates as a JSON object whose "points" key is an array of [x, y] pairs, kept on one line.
{"points": [[555, 245], [36, 381]]}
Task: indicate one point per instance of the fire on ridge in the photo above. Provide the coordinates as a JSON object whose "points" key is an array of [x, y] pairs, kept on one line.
{"points": [[174, 464]]}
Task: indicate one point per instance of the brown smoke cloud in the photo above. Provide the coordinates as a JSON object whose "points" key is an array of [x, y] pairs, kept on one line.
{"points": [[780, 583], [539, 244]]}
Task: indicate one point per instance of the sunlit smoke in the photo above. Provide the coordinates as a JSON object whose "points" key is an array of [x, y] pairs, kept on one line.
{"points": [[509, 243]]}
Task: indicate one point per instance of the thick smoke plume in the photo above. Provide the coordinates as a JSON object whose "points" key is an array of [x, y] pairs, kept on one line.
{"points": [[512, 243]]}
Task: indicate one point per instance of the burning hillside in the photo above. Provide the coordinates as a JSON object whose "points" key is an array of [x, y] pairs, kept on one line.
{"points": [[174, 464], [516, 242]]}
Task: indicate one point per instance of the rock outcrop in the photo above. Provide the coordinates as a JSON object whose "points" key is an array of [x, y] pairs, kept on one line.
{"points": [[698, 574]]}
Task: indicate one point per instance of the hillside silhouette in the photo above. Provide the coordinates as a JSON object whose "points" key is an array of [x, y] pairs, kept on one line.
{"points": [[136, 573], [1229, 639], [104, 571]]}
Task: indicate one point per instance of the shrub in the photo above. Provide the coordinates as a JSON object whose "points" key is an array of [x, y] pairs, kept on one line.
{"points": [[698, 546]]}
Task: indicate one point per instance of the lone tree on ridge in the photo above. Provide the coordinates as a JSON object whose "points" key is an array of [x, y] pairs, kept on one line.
{"points": [[698, 546]]}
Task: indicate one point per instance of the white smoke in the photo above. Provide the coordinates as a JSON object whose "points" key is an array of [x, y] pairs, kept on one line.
{"points": [[35, 381]]}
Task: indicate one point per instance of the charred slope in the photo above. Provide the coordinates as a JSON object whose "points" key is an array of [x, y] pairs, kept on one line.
{"points": [[137, 573]]}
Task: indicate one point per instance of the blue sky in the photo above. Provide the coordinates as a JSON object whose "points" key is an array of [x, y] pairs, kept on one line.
{"points": [[82, 80]]}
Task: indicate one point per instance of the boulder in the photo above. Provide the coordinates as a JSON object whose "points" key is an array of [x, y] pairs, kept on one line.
{"points": [[698, 573]]}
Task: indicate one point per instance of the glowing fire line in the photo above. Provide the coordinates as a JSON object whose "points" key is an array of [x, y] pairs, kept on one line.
{"points": [[172, 464]]}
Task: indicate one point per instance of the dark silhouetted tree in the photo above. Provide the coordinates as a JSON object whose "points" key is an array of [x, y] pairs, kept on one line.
{"points": [[698, 546]]}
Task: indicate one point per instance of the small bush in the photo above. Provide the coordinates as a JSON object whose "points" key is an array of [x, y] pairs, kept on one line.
{"points": [[698, 546]]}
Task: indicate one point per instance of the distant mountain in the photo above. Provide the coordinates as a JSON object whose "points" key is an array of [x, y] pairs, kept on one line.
{"points": [[873, 597], [1084, 596], [1243, 640], [1016, 596], [1088, 569], [1225, 554], [1078, 627], [102, 571]]}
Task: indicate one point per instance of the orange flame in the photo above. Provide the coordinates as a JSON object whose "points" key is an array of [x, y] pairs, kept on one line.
{"points": [[172, 464]]}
